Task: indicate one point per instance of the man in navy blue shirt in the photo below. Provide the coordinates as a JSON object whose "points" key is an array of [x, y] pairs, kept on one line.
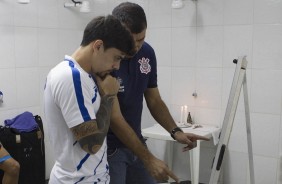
{"points": [[129, 159]]}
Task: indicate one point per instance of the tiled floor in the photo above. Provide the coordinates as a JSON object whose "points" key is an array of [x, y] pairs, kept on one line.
{"points": [[182, 182]]}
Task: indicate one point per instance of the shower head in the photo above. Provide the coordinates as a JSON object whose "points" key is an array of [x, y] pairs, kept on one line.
{"points": [[176, 4], [23, 1], [83, 5]]}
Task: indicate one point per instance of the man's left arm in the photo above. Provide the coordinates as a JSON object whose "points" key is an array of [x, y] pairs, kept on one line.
{"points": [[161, 114]]}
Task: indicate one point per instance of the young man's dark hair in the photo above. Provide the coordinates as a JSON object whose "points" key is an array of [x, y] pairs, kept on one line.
{"points": [[111, 32], [132, 15]]}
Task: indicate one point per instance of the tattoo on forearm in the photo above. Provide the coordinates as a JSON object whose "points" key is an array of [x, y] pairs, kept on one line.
{"points": [[91, 135], [103, 115]]}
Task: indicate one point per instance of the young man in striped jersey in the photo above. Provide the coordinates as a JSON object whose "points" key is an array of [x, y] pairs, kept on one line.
{"points": [[78, 96]]}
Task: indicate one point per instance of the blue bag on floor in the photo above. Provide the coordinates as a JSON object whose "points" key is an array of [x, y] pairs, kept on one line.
{"points": [[24, 122]]}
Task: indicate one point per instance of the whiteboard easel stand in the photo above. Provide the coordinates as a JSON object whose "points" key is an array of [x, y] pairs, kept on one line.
{"points": [[239, 80]]}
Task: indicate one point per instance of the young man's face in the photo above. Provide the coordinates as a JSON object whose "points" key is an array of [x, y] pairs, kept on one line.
{"points": [[107, 61], [139, 39]]}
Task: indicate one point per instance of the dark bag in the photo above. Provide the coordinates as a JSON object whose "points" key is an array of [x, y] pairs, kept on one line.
{"points": [[29, 150]]}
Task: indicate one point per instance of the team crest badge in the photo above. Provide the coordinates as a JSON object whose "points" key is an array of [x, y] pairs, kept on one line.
{"points": [[145, 66]]}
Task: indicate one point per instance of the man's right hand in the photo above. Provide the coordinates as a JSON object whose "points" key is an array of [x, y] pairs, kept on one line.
{"points": [[159, 170], [107, 86]]}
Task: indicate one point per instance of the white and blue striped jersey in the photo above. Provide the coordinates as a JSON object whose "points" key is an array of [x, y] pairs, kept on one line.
{"points": [[71, 97]]}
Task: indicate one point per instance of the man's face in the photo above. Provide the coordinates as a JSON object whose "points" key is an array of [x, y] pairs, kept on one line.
{"points": [[139, 39], [107, 61]]}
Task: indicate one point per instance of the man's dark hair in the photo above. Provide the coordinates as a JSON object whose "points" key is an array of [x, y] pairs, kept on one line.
{"points": [[110, 30], [132, 15]]}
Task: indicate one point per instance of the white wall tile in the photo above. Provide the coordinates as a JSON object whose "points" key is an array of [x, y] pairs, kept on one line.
{"points": [[26, 14], [209, 46], [266, 91], [280, 147], [7, 47], [48, 13], [7, 12], [210, 12], [43, 72], [100, 7], [279, 169], [7, 114], [267, 11], [265, 169], [48, 47], [183, 47], [8, 88], [183, 85], [26, 48], [235, 167], [69, 41], [207, 116], [27, 87], [35, 110], [185, 16], [265, 134], [237, 41], [159, 13], [267, 46], [157, 37], [164, 83], [208, 87], [238, 12]]}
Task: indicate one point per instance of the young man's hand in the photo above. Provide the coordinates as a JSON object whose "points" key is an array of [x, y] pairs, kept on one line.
{"points": [[108, 86]]}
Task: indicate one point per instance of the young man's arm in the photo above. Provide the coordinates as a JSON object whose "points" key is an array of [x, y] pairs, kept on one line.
{"points": [[161, 114], [91, 134], [157, 168]]}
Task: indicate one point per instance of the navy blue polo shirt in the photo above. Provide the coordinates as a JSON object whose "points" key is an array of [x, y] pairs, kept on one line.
{"points": [[135, 76]]}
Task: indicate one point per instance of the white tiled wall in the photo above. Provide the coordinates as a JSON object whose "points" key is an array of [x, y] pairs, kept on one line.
{"points": [[195, 47]]}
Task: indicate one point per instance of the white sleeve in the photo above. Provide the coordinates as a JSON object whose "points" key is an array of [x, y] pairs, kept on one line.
{"points": [[73, 96]]}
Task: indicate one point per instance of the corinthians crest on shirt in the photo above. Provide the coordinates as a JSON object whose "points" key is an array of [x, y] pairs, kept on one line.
{"points": [[145, 66]]}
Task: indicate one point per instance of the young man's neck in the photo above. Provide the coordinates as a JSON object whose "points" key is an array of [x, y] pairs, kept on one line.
{"points": [[82, 57]]}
